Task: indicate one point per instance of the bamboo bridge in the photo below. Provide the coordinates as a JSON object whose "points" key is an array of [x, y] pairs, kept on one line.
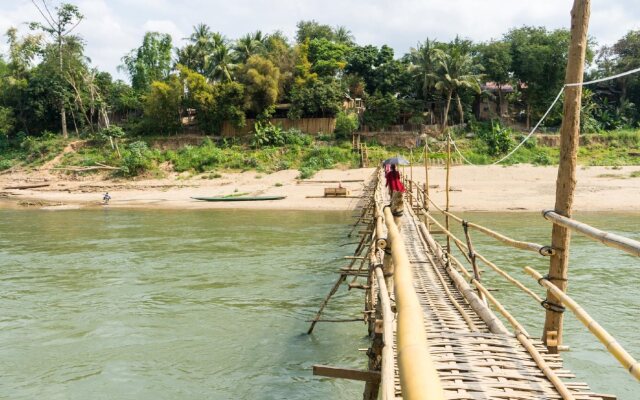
{"points": [[433, 324], [436, 331]]}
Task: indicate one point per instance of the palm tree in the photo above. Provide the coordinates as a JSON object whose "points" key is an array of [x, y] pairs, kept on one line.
{"points": [[343, 35], [455, 73], [220, 63], [249, 45], [424, 64]]}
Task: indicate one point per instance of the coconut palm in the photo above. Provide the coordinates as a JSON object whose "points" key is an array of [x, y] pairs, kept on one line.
{"points": [[343, 35], [424, 64], [249, 45], [220, 64], [456, 72]]}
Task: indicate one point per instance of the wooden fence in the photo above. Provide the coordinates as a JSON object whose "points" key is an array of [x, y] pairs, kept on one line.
{"points": [[306, 125]]}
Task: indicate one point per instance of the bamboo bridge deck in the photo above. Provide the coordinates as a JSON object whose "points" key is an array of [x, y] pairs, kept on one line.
{"points": [[471, 361], [434, 334]]}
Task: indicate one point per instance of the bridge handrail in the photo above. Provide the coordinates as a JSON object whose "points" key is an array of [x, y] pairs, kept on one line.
{"points": [[607, 238], [535, 247], [418, 375], [387, 383], [491, 265], [612, 345]]}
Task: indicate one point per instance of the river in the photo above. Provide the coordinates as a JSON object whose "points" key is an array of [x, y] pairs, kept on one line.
{"points": [[106, 304]]}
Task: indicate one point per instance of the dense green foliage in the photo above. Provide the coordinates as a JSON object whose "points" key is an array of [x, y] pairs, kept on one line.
{"points": [[48, 85]]}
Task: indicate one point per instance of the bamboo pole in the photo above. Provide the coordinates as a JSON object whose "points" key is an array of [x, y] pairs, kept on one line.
{"points": [[426, 173], [418, 376], [535, 247], [446, 218], [566, 181], [612, 345], [387, 368], [608, 239], [487, 262]]}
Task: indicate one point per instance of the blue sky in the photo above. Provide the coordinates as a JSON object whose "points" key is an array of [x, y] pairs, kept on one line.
{"points": [[113, 27]]}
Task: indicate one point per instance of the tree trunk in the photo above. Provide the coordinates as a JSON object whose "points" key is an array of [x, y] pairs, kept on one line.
{"points": [[500, 102], [446, 111], [566, 182], [460, 111], [63, 116]]}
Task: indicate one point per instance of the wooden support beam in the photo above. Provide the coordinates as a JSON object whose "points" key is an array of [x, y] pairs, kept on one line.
{"points": [[346, 373], [566, 181]]}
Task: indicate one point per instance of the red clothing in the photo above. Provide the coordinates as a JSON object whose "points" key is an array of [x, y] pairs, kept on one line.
{"points": [[393, 181]]}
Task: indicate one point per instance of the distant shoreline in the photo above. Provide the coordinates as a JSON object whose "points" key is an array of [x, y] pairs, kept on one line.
{"points": [[518, 188]]}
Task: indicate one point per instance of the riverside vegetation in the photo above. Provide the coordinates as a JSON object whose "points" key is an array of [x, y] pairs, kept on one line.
{"points": [[273, 149], [50, 92]]}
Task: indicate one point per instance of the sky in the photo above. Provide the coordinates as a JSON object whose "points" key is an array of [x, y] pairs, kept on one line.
{"points": [[111, 28]]}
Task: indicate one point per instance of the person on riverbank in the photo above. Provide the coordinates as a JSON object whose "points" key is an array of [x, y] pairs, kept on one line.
{"points": [[393, 180], [106, 198]]}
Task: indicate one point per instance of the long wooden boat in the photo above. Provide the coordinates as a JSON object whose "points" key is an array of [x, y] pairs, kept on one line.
{"points": [[240, 198]]}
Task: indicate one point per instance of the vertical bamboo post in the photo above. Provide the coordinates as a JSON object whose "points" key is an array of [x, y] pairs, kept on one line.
{"points": [[411, 178], [426, 174], [566, 181], [446, 217], [426, 182]]}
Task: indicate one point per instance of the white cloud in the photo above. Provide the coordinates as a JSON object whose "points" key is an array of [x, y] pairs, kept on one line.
{"points": [[112, 28]]}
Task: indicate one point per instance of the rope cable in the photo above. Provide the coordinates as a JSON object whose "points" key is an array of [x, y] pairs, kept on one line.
{"points": [[608, 78]]}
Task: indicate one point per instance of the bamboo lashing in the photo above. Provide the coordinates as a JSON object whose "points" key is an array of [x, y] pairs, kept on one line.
{"points": [[607, 238], [627, 361], [418, 376]]}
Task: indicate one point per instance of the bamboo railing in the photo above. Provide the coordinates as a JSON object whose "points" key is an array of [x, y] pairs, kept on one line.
{"points": [[612, 345], [607, 238]]}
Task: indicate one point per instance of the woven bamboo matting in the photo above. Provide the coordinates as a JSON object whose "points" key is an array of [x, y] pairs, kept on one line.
{"points": [[472, 362]]}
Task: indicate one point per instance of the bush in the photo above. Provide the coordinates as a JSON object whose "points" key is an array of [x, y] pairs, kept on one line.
{"points": [[272, 135], [498, 139], [137, 158], [346, 124]]}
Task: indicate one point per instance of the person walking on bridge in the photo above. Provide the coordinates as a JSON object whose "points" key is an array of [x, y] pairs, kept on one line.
{"points": [[393, 181]]}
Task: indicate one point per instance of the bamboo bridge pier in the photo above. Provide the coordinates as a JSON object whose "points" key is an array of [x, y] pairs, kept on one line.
{"points": [[437, 332]]}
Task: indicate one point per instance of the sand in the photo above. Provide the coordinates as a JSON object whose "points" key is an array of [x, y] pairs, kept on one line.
{"points": [[474, 188]]}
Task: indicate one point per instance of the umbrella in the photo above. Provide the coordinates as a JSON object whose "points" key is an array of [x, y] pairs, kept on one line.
{"points": [[397, 160]]}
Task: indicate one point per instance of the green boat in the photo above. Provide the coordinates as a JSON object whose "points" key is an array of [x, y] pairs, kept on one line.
{"points": [[240, 198]]}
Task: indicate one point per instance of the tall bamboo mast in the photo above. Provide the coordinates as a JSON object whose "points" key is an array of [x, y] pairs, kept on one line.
{"points": [[566, 181], [447, 190]]}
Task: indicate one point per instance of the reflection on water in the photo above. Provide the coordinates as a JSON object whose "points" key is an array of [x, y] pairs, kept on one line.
{"points": [[212, 304]]}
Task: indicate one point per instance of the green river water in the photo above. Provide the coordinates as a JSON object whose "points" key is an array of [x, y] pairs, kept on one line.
{"points": [[117, 304]]}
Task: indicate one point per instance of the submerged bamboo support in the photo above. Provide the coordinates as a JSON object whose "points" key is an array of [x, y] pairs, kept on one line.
{"points": [[608, 239], [418, 376], [612, 345]]}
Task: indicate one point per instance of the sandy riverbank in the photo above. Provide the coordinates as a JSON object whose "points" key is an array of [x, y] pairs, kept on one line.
{"points": [[482, 188]]}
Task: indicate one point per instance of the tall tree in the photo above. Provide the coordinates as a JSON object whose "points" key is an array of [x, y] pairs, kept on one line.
{"points": [[495, 57], [58, 26], [313, 30], [539, 60], [260, 79], [456, 72], [150, 62], [249, 45], [424, 64]]}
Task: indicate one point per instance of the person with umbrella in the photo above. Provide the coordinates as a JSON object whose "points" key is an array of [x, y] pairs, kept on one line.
{"points": [[394, 182]]}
